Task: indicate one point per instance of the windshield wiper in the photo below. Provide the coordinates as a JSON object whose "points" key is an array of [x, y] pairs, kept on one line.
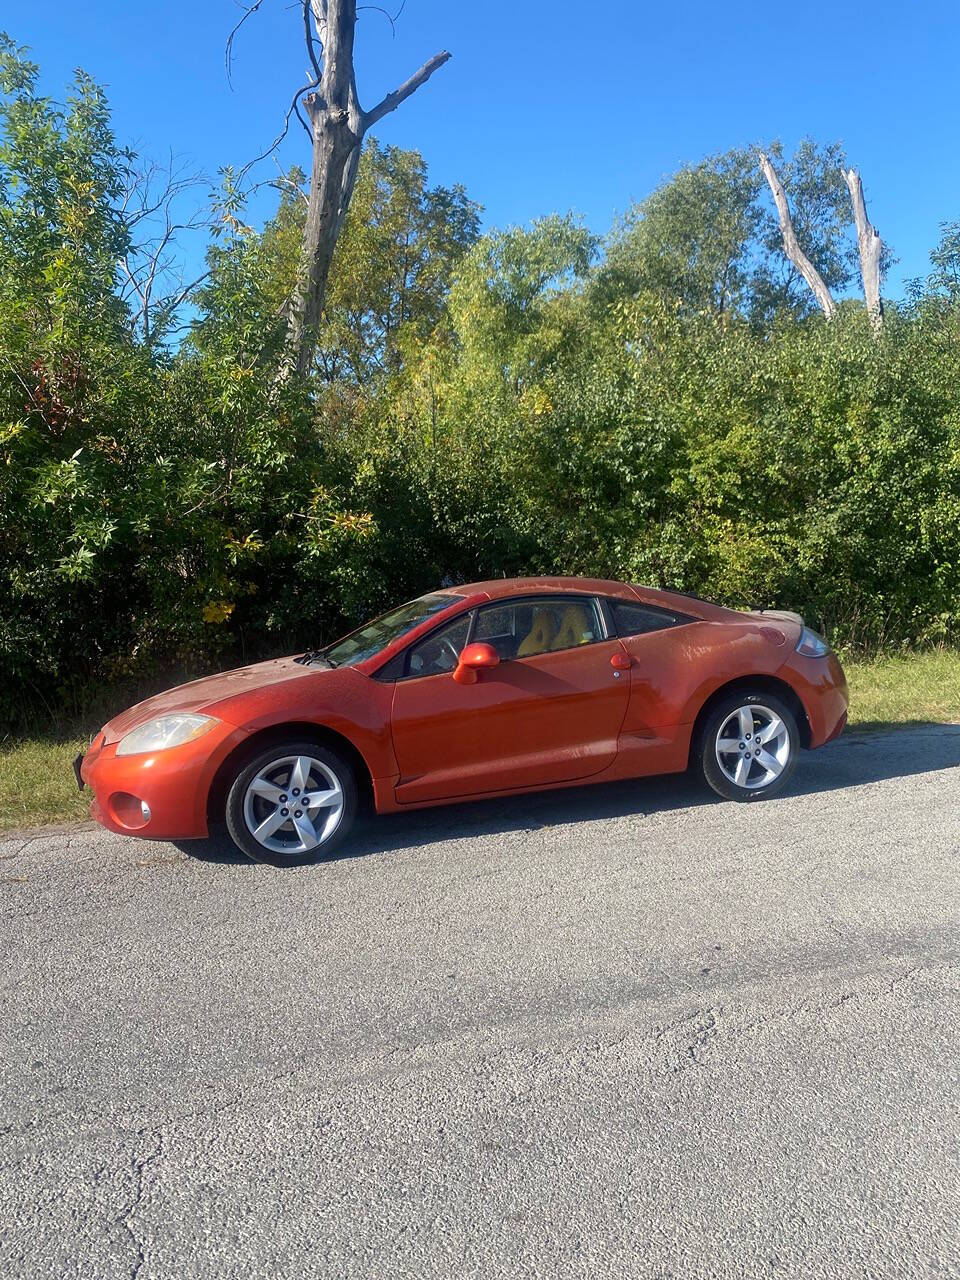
{"points": [[313, 656]]}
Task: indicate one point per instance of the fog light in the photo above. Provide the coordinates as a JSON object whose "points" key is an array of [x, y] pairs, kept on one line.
{"points": [[129, 812]]}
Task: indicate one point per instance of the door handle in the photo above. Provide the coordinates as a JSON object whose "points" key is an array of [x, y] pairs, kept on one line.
{"points": [[620, 661]]}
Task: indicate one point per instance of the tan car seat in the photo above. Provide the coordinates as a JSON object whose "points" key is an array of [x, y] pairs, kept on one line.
{"points": [[538, 639], [574, 628]]}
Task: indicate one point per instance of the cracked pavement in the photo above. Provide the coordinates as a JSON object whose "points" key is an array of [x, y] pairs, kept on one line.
{"points": [[618, 1031]]}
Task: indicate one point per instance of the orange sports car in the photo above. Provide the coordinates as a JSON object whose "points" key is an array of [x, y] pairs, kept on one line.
{"points": [[479, 690]]}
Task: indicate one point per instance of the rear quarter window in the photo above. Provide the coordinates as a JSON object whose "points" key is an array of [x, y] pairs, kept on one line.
{"points": [[638, 619]]}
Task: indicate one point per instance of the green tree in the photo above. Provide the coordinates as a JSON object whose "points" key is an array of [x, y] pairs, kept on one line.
{"points": [[693, 239], [511, 286], [708, 238], [399, 249], [70, 377], [944, 279], [395, 258]]}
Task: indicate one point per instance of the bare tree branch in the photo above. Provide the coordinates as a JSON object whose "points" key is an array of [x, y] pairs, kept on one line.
{"points": [[306, 128], [153, 205], [390, 17], [283, 183], [791, 245], [309, 41], [871, 248], [228, 50], [393, 100], [177, 299], [144, 185], [294, 108]]}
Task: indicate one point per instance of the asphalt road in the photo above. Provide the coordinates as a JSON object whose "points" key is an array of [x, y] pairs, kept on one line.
{"points": [[620, 1031]]}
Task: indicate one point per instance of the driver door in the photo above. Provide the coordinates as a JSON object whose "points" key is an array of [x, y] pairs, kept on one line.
{"points": [[549, 713]]}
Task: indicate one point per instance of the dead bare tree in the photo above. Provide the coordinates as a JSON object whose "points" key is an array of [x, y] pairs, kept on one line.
{"points": [[791, 245], [871, 249], [337, 125]]}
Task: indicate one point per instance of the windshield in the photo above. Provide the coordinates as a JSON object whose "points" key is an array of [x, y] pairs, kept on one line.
{"points": [[376, 635]]}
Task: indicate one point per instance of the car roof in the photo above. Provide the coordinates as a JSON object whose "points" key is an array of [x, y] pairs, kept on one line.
{"points": [[497, 588]]}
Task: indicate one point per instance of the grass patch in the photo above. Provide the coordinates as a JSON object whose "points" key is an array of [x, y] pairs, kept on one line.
{"points": [[913, 689], [37, 785]]}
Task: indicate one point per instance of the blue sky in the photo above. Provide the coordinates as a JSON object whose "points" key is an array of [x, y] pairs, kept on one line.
{"points": [[536, 113]]}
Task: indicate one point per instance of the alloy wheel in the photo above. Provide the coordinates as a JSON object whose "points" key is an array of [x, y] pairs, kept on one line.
{"points": [[753, 747], [293, 805]]}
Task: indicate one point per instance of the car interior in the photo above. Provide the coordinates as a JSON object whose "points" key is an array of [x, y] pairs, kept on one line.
{"points": [[520, 629]]}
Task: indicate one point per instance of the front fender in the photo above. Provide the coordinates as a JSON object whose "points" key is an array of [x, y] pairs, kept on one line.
{"points": [[351, 704]]}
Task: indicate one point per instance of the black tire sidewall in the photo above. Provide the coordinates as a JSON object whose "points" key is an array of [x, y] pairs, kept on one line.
{"points": [[706, 756], [237, 827]]}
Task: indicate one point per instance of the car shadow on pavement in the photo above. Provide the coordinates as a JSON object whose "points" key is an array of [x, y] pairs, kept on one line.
{"points": [[856, 759]]}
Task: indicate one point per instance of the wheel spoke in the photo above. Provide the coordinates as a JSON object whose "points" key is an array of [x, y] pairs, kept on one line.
{"points": [[745, 715], [269, 825], [306, 831], [743, 769], [770, 731], [299, 773], [261, 787], [322, 799], [770, 763], [728, 746]]}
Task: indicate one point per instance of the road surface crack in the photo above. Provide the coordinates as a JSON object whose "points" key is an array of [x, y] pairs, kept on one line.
{"points": [[8, 857], [805, 1006], [704, 1029], [140, 1165]]}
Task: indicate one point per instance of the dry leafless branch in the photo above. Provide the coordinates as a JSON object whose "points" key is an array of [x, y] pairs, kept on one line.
{"points": [[393, 100], [308, 39], [248, 12], [153, 205]]}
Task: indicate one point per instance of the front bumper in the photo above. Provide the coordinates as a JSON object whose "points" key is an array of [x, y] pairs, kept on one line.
{"points": [[160, 795], [822, 688]]}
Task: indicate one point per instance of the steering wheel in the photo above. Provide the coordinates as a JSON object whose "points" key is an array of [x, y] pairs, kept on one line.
{"points": [[452, 650]]}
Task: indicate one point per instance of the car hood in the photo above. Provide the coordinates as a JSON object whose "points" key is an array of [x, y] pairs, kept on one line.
{"points": [[199, 695]]}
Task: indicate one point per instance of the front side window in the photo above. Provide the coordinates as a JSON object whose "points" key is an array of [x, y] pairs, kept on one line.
{"points": [[376, 635], [439, 652], [525, 628]]}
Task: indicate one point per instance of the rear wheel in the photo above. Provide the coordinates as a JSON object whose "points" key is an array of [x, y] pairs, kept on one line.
{"points": [[747, 746], [292, 803]]}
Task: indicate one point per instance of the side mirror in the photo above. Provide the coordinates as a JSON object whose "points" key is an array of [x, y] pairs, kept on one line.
{"points": [[475, 658]]}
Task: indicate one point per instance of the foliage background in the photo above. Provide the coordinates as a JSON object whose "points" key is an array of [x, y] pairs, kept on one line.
{"points": [[663, 406]]}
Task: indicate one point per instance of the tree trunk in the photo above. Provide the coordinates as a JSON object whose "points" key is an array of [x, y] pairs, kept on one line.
{"points": [[338, 124], [871, 249], [791, 245]]}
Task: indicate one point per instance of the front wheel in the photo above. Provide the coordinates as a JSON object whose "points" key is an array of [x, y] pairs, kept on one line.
{"points": [[292, 803], [747, 747]]}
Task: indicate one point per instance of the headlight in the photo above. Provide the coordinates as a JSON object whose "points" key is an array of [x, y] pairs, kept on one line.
{"points": [[811, 645], [164, 732]]}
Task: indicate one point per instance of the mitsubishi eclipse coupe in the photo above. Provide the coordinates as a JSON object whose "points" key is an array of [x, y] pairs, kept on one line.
{"points": [[480, 690]]}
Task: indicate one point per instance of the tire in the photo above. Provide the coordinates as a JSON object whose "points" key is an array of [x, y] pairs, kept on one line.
{"points": [[264, 798], [741, 770]]}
